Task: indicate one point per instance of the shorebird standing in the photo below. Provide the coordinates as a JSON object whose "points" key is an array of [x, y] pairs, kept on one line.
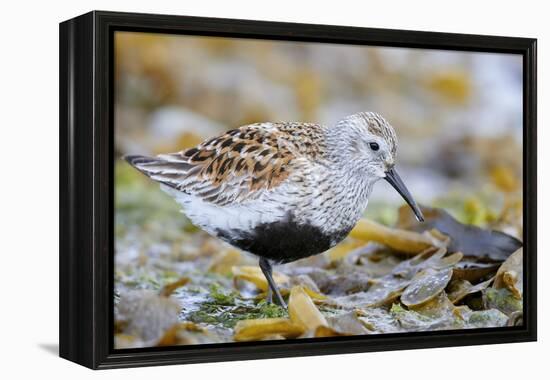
{"points": [[281, 191]]}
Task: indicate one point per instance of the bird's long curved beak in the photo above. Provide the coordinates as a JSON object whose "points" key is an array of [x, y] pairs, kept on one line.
{"points": [[393, 178]]}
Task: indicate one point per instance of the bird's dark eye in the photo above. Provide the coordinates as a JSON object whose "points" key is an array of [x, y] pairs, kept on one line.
{"points": [[374, 146]]}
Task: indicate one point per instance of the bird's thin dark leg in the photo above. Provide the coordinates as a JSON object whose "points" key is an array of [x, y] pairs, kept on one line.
{"points": [[269, 297], [265, 266]]}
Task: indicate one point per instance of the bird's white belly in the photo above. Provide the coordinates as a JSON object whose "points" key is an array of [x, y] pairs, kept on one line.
{"points": [[235, 218], [318, 204]]}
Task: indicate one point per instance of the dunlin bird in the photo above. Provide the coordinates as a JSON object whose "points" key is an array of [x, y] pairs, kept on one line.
{"points": [[281, 191]]}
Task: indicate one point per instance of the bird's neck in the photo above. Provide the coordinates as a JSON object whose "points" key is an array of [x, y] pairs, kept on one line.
{"points": [[349, 195], [348, 177]]}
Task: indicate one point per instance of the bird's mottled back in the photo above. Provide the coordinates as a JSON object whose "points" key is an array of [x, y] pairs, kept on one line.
{"points": [[238, 163]]}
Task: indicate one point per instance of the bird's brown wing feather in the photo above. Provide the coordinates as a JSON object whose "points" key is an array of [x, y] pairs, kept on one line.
{"points": [[238, 164]]}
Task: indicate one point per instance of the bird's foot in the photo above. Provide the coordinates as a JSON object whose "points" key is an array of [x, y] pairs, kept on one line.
{"points": [[279, 300], [265, 266]]}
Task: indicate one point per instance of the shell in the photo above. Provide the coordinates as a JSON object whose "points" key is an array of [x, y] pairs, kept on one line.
{"points": [[186, 333], [224, 262], [483, 244], [399, 240], [342, 250], [430, 258], [364, 321], [458, 289], [327, 332], [308, 285], [258, 329], [388, 288], [255, 276], [303, 311], [425, 286], [348, 323], [472, 271], [168, 289], [510, 274], [381, 293]]}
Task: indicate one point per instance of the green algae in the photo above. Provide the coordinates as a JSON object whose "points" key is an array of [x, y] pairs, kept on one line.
{"points": [[225, 310], [502, 299]]}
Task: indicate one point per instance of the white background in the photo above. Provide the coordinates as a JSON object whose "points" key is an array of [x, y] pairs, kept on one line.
{"points": [[29, 187]]}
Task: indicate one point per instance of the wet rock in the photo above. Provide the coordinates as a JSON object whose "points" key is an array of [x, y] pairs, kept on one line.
{"points": [[146, 314]]}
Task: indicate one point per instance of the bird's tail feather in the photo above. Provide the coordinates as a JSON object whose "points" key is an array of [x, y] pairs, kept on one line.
{"points": [[167, 171]]}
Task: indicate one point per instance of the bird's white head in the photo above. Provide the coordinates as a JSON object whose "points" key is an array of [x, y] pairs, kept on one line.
{"points": [[370, 142], [366, 144]]}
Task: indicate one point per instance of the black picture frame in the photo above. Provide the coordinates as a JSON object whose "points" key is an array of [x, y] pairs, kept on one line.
{"points": [[86, 188]]}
